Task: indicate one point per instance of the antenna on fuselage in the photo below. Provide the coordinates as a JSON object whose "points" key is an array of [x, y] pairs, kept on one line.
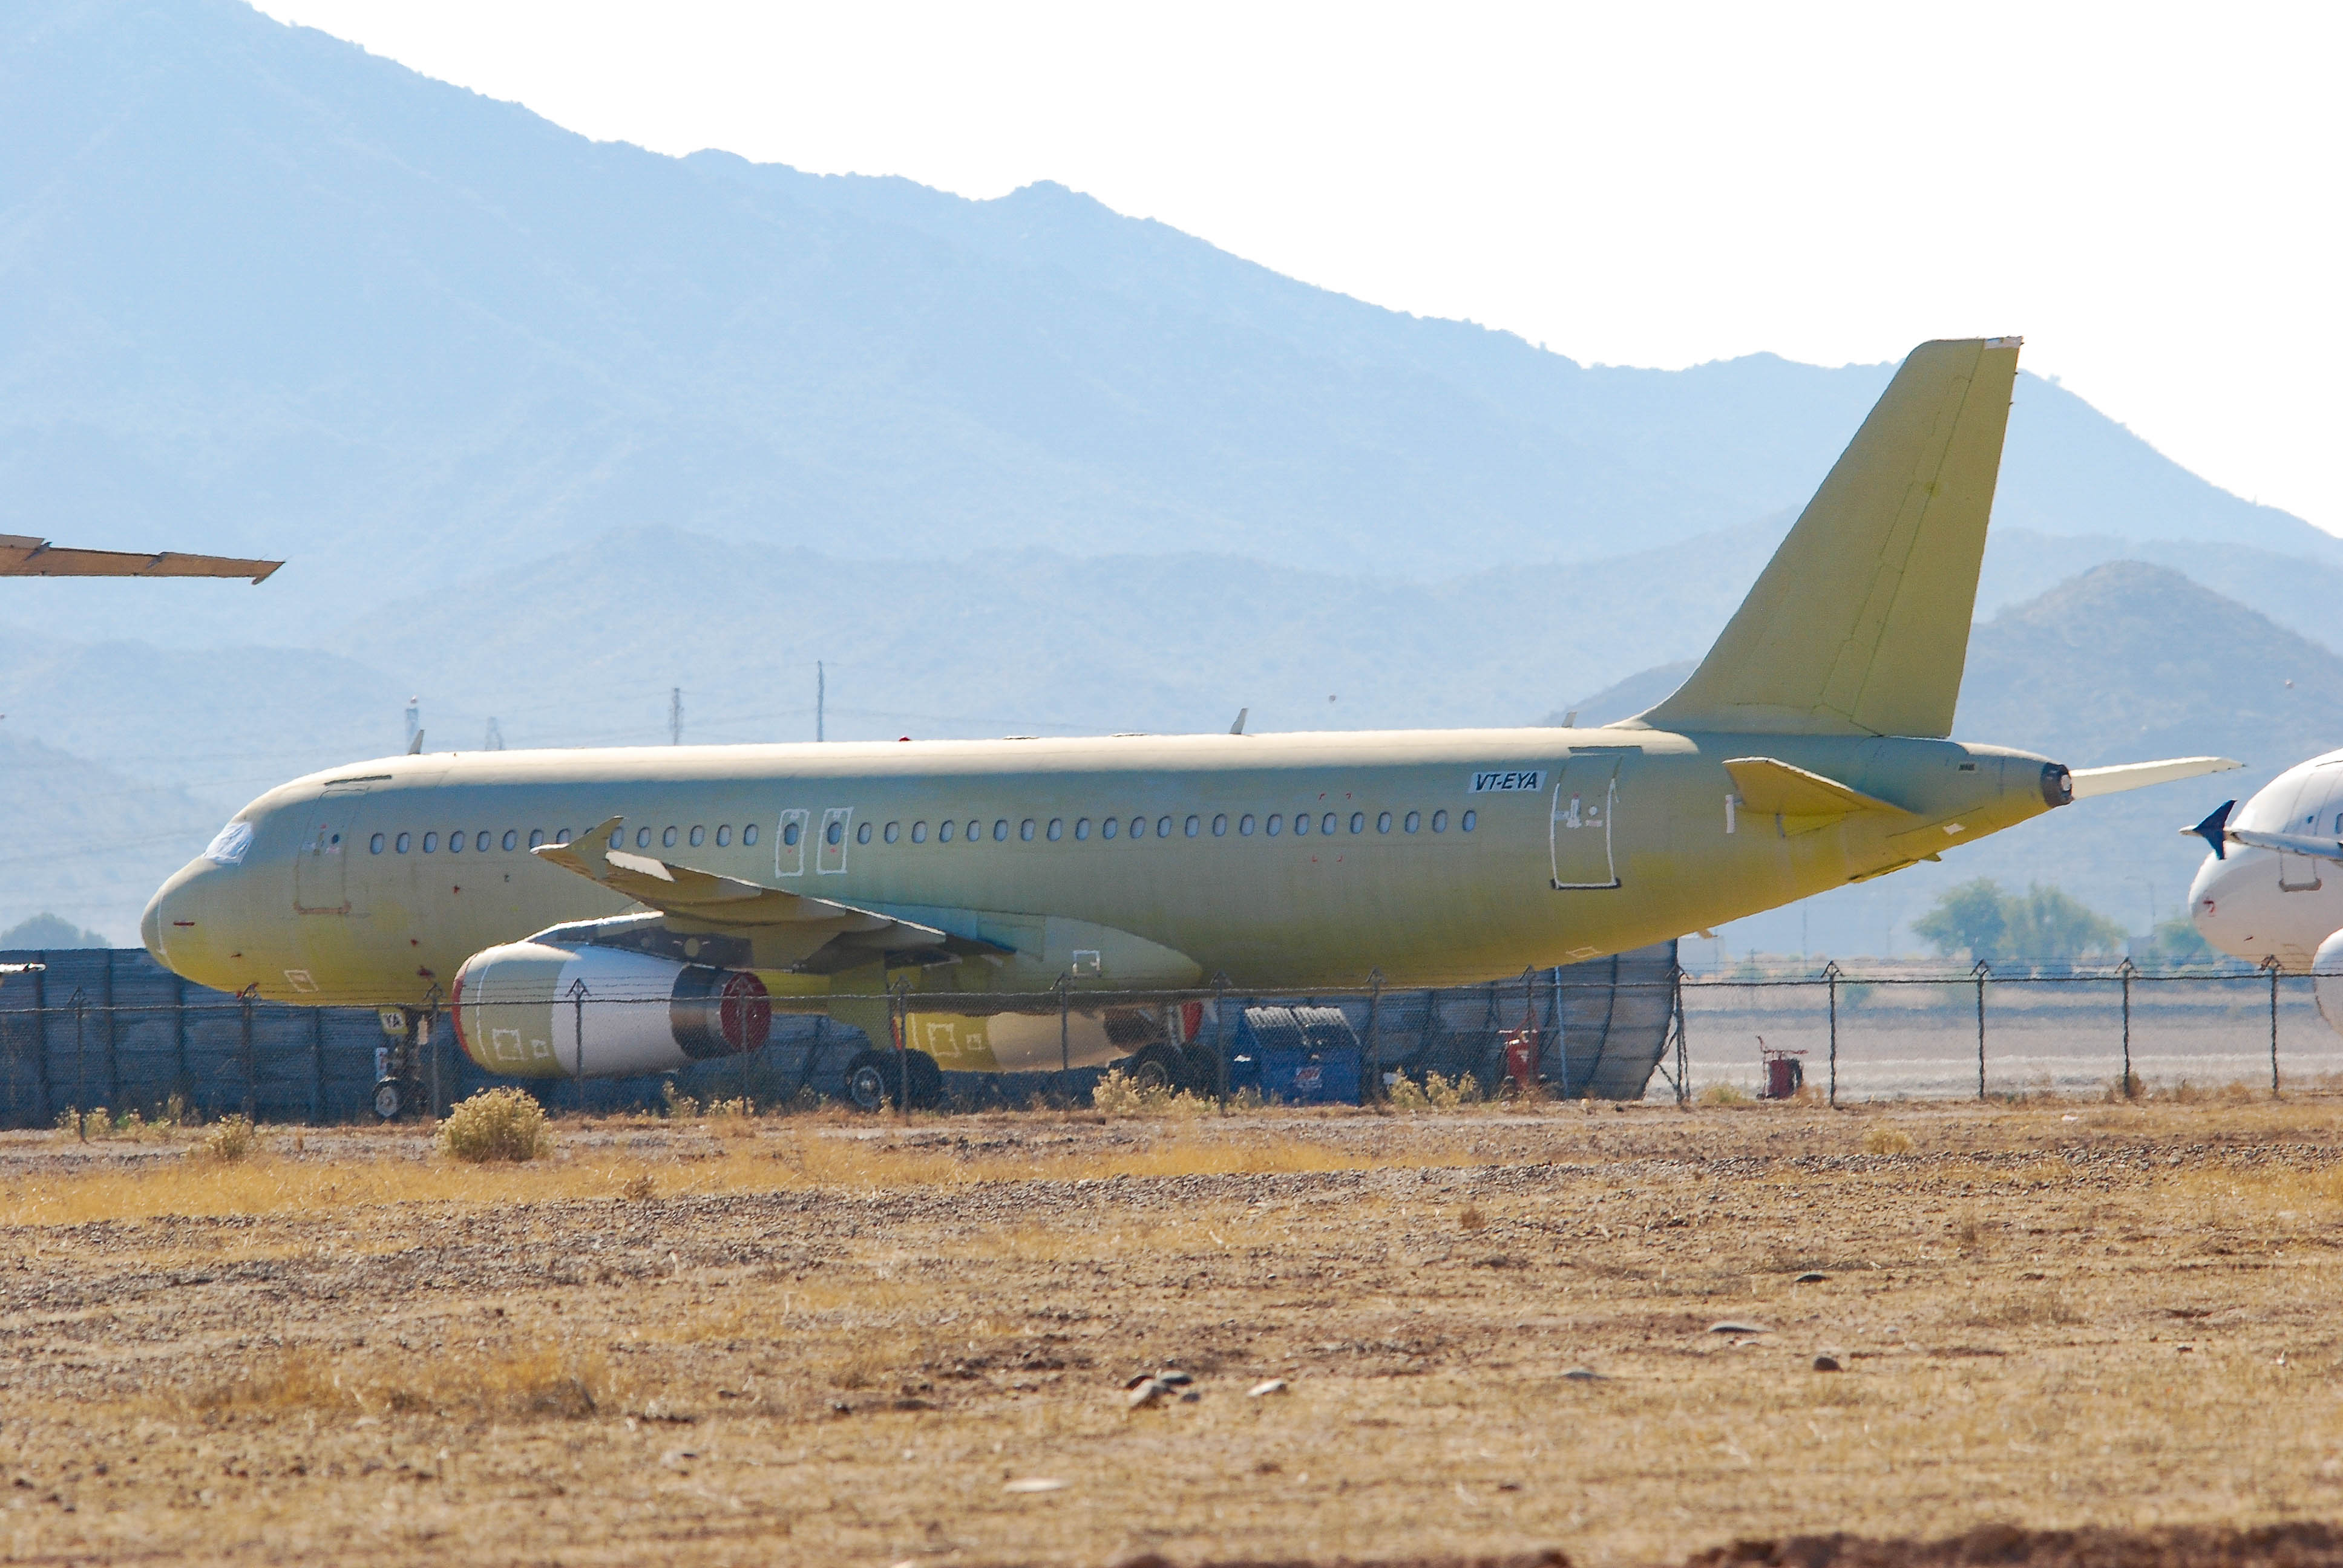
{"points": [[820, 697], [1237, 728]]}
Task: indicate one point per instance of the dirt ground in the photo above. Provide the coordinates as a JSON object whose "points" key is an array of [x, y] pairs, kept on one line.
{"points": [[1498, 1333]]}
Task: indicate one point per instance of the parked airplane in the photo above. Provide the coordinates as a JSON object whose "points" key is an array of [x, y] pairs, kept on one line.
{"points": [[676, 895], [2271, 890]]}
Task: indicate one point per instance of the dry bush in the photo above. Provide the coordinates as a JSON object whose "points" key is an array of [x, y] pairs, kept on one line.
{"points": [[680, 1105], [1434, 1093], [535, 1379], [1471, 1219], [1723, 1094], [1119, 1094], [231, 1139], [1888, 1140], [731, 1118], [506, 1124], [640, 1188]]}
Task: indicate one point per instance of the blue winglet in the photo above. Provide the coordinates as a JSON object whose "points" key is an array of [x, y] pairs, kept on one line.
{"points": [[2214, 829]]}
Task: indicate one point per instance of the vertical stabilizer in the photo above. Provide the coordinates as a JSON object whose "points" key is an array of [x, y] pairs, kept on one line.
{"points": [[1860, 623]]}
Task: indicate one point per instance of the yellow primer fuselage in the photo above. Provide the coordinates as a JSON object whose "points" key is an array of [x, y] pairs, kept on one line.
{"points": [[322, 906]]}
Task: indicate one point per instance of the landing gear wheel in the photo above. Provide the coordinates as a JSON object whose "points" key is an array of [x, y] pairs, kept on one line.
{"points": [[1157, 1067], [390, 1099], [870, 1082], [927, 1079], [1203, 1065]]}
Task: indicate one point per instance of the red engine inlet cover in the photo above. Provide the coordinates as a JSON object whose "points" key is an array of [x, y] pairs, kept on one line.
{"points": [[747, 1011]]}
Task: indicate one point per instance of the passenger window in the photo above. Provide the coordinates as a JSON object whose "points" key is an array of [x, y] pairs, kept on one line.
{"points": [[454, 843], [1244, 825], [1327, 825], [404, 841], [619, 839], [1358, 821], [512, 840], [1025, 830], [1275, 825], [536, 837], [562, 837], [481, 843], [430, 842], [374, 844], [976, 830], [1001, 830], [723, 834], [1382, 822], [1110, 828], [1300, 825], [894, 832], [699, 835], [748, 834], [920, 832], [1439, 821], [1081, 829], [1192, 824], [862, 834], [642, 837], [667, 840], [1468, 819], [1414, 820], [835, 834], [1056, 828], [790, 834], [943, 834]]}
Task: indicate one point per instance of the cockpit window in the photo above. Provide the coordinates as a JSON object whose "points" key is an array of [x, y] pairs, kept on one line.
{"points": [[232, 843]]}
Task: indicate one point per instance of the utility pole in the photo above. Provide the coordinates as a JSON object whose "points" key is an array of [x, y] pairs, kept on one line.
{"points": [[820, 697], [675, 716]]}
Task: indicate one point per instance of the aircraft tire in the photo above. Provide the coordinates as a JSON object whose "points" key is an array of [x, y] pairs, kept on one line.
{"points": [[390, 1099], [927, 1079], [870, 1083], [1157, 1067], [1203, 1065]]}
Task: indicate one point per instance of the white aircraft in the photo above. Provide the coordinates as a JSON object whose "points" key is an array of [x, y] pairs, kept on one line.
{"points": [[2272, 889]]}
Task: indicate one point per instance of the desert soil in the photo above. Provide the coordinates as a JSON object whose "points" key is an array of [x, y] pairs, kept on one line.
{"points": [[813, 1340]]}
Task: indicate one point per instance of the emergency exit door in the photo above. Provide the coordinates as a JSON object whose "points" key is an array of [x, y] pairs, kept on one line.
{"points": [[1585, 799]]}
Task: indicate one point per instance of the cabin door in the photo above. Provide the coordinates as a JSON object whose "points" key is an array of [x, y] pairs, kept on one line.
{"points": [[1585, 798], [321, 883]]}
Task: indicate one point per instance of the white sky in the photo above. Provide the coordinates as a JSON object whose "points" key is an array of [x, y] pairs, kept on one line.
{"points": [[2147, 193]]}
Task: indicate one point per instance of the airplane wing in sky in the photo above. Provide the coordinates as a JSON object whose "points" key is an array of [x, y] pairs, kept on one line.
{"points": [[23, 556]]}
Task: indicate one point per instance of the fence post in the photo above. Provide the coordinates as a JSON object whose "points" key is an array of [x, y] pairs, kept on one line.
{"points": [[186, 1077], [113, 1043], [80, 1005], [243, 1053], [1979, 974], [1064, 989], [41, 1039], [1373, 1089], [900, 1026], [1684, 1050], [2126, 972], [2270, 964], [1830, 976], [577, 994], [1220, 1039]]}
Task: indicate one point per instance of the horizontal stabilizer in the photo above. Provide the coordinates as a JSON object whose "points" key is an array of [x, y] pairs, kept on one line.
{"points": [[1771, 787], [2215, 829], [2090, 781]]}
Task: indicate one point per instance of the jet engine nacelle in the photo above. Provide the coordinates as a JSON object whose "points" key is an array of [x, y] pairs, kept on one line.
{"points": [[536, 1010], [2328, 982]]}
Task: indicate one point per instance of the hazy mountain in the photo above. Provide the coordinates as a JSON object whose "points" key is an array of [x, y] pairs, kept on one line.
{"points": [[264, 292], [86, 841]]}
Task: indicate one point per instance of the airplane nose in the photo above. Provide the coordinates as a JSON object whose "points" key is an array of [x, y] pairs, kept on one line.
{"points": [[150, 929]]}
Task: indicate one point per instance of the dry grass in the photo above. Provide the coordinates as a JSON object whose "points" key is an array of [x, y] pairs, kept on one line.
{"points": [[847, 1339], [1888, 1140]]}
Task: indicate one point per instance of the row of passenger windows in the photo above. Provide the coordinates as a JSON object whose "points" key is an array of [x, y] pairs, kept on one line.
{"points": [[511, 839], [1247, 825], [1273, 825]]}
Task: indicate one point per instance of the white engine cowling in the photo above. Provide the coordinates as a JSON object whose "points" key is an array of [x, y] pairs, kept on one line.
{"points": [[2327, 985], [533, 1009]]}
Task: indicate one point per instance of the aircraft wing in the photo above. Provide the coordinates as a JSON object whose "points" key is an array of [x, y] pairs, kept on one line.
{"points": [[783, 928], [24, 556], [2285, 843], [2090, 781]]}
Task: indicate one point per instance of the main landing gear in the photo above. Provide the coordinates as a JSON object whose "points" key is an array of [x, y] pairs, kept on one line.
{"points": [[874, 1080], [399, 1062]]}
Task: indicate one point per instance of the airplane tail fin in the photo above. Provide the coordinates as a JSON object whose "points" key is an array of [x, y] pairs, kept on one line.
{"points": [[1860, 623]]}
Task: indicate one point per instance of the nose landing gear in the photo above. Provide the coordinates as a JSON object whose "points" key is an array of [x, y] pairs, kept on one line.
{"points": [[398, 1062]]}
